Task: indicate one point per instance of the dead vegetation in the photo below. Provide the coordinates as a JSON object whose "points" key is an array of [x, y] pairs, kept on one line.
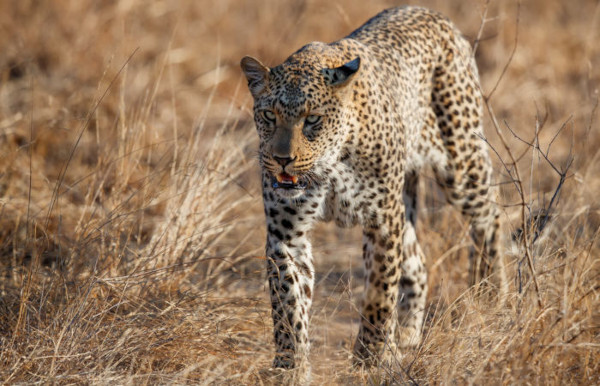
{"points": [[131, 224]]}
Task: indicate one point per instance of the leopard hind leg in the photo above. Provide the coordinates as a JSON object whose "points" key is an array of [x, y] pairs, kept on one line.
{"points": [[413, 280]]}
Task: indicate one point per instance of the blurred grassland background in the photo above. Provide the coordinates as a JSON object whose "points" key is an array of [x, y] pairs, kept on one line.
{"points": [[131, 223]]}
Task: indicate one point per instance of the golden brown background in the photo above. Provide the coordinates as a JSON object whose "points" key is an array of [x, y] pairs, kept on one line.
{"points": [[131, 224]]}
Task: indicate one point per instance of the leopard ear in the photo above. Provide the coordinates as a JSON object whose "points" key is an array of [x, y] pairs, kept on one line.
{"points": [[340, 75], [256, 74]]}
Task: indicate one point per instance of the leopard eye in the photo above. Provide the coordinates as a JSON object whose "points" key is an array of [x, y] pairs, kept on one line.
{"points": [[268, 115], [313, 119]]}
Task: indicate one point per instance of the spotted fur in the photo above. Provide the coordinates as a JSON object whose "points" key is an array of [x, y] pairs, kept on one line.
{"points": [[345, 129]]}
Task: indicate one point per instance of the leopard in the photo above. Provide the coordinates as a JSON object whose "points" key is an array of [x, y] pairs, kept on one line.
{"points": [[345, 131]]}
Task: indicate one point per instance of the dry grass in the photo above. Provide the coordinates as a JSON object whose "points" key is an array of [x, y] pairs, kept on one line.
{"points": [[131, 221]]}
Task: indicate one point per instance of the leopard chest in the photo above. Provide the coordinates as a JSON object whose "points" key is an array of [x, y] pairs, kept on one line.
{"points": [[353, 197]]}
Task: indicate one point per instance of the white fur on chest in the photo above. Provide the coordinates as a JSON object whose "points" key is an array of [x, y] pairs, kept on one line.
{"points": [[349, 201]]}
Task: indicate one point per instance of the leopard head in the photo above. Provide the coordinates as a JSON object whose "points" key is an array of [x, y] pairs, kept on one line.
{"points": [[301, 114]]}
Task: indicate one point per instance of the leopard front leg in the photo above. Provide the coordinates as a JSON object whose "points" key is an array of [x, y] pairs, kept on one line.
{"points": [[382, 252], [290, 275]]}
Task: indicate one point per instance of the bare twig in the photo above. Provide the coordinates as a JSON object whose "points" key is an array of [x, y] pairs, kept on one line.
{"points": [[561, 173], [556, 135], [481, 25], [512, 54], [518, 182], [515, 169]]}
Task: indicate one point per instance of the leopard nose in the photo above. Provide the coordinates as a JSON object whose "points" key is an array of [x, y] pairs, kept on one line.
{"points": [[284, 161]]}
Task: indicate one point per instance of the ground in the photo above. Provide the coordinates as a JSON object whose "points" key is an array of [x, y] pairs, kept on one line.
{"points": [[131, 225]]}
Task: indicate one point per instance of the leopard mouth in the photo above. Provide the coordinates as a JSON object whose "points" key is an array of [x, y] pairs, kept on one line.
{"points": [[288, 182]]}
